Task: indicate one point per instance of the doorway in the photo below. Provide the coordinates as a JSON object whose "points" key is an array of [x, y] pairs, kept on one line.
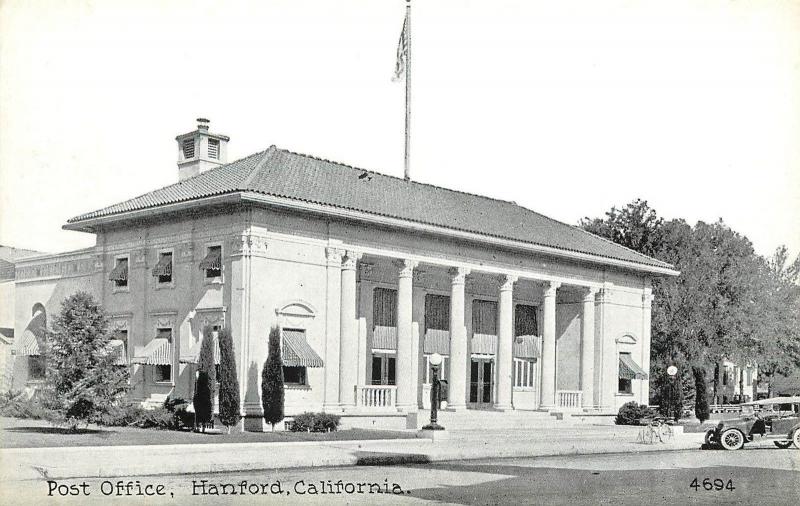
{"points": [[481, 382]]}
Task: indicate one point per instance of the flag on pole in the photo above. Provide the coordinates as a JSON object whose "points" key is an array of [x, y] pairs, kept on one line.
{"points": [[402, 53]]}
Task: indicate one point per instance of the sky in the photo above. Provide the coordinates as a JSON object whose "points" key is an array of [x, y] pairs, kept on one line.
{"points": [[567, 108]]}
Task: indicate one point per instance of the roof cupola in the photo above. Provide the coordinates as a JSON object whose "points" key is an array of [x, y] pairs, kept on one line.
{"points": [[200, 150]]}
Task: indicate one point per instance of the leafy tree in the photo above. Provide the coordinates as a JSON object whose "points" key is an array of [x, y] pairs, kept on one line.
{"points": [[728, 302], [701, 410], [272, 380], [82, 381], [229, 404], [203, 407]]}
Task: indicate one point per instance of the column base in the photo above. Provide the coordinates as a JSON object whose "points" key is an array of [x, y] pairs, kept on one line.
{"points": [[504, 407]]}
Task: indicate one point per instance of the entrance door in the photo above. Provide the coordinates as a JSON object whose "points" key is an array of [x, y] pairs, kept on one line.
{"points": [[481, 382]]}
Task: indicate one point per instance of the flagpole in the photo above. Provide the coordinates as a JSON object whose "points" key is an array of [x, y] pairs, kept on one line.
{"points": [[407, 173]]}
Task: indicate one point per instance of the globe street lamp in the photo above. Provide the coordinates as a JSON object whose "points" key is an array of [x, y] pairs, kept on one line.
{"points": [[672, 371], [436, 361]]}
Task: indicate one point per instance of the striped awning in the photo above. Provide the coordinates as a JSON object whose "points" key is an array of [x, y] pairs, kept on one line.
{"points": [[213, 260], [193, 355], [120, 272], [384, 338], [30, 344], [117, 348], [156, 352], [437, 341], [628, 369], [297, 352], [164, 266], [484, 344], [525, 347]]}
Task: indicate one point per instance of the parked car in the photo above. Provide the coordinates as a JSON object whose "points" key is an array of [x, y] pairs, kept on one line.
{"points": [[776, 419]]}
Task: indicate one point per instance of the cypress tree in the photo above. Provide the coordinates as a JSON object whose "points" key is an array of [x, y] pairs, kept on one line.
{"points": [[701, 410], [202, 400], [272, 380], [229, 413], [204, 393]]}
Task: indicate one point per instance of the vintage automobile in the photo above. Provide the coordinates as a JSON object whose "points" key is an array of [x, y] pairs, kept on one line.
{"points": [[776, 419]]}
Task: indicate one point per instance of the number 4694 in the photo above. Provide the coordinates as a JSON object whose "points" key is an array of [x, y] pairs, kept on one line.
{"points": [[709, 484]]}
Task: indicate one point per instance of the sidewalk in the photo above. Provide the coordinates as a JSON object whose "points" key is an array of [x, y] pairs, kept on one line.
{"points": [[108, 461]]}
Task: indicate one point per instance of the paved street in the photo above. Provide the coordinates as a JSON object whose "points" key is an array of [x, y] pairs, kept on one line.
{"points": [[757, 475]]}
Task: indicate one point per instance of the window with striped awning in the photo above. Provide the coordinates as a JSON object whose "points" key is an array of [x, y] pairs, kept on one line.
{"points": [[163, 269], [296, 351], [628, 369], [212, 263]]}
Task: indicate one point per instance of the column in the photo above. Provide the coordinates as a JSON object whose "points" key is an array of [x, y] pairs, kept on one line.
{"points": [[332, 327], [505, 344], [549, 346], [458, 341], [348, 352], [647, 304], [587, 348], [406, 390]]}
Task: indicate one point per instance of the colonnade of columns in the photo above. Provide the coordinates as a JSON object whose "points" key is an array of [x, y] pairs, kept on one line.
{"points": [[341, 345]]}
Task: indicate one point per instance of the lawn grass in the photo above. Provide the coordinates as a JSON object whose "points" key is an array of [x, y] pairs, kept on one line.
{"points": [[20, 433]]}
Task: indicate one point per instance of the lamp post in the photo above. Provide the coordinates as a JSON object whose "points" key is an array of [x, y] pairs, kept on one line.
{"points": [[672, 371], [436, 361]]}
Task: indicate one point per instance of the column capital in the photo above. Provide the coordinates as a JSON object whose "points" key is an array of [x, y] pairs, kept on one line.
{"points": [[458, 275], [589, 293], [334, 256], [349, 259], [507, 281], [550, 288], [604, 294], [405, 267]]}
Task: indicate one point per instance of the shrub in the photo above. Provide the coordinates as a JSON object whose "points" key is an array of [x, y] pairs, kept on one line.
{"points": [[701, 409], [159, 418], [17, 405], [229, 409], [122, 415], [272, 380], [315, 422], [631, 413], [181, 417]]}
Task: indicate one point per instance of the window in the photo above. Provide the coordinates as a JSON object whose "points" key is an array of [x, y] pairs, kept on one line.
{"points": [[384, 307], [443, 369], [625, 385], [484, 317], [525, 321], [119, 274], [37, 365], [163, 373], [437, 312], [294, 375], [122, 335], [188, 148], [212, 263], [213, 149], [523, 373], [163, 269], [383, 369]]}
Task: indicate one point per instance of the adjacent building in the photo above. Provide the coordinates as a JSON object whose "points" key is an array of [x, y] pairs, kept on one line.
{"points": [[367, 275]]}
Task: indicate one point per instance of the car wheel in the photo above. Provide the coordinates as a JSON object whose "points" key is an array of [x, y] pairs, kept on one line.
{"points": [[796, 438], [783, 444], [731, 439]]}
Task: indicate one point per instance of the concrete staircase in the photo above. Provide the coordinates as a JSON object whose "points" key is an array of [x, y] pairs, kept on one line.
{"points": [[474, 419]]}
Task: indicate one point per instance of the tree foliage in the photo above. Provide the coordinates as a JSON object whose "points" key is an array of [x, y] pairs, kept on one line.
{"points": [[728, 302], [82, 382], [229, 403], [203, 407], [272, 380]]}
